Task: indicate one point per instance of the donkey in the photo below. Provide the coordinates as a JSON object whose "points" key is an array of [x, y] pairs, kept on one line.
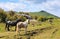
{"points": [[22, 25], [11, 23]]}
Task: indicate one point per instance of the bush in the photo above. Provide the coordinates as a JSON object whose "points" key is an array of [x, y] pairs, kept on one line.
{"points": [[23, 18], [11, 13], [3, 16], [42, 19], [36, 17], [10, 17]]}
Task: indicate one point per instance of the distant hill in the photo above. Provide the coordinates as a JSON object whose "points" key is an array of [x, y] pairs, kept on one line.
{"points": [[43, 13]]}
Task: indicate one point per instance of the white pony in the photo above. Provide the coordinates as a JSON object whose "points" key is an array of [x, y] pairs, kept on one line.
{"points": [[22, 25]]}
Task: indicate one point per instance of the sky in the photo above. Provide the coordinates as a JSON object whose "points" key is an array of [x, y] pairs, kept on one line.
{"points": [[51, 6]]}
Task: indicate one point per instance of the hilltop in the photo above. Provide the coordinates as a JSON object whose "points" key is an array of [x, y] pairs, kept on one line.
{"points": [[43, 13]]}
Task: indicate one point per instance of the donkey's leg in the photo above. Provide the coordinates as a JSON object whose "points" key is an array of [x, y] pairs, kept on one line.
{"points": [[25, 30], [5, 26], [8, 28], [15, 28], [19, 31]]}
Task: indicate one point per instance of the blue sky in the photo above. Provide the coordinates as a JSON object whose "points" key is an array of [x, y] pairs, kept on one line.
{"points": [[52, 6]]}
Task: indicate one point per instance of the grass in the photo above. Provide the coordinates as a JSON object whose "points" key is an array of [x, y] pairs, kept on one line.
{"points": [[43, 31], [2, 27], [45, 14]]}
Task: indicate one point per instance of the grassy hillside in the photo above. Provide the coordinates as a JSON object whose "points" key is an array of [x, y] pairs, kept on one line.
{"points": [[43, 13], [40, 30], [44, 31]]}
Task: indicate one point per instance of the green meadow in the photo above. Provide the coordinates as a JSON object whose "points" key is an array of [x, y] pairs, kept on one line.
{"points": [[43, 31]]}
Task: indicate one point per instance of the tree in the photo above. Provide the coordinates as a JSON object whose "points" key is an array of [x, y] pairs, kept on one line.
{"points": [[21, 12], [11, 13], [36, 17], [27, 13], [3, 15], [42, 19], [23, 18]]}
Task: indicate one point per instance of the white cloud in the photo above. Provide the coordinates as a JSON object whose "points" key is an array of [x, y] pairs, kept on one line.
{"points": [[12, 6], [52, 6]]}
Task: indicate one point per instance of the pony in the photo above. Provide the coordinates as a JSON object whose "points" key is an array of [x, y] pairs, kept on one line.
{"points": [[11, 23], [22, 25]]}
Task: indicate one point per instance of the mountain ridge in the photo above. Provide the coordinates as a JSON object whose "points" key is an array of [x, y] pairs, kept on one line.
{"points": [[43, 13]]}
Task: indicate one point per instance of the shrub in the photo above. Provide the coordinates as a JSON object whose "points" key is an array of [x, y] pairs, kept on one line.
{"points": [[23, 18], [42, 19], [3, 15]]}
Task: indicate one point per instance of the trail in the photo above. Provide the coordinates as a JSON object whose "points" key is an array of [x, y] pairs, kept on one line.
{"points": [[43, 33]]}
